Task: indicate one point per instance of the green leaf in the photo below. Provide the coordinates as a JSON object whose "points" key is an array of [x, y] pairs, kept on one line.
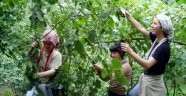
{"points": [[40, 15], [183, 56], [104, 73], [16, 2], [114, 18], [52, 1], [98, 83], [73, 78], [116, 64], [181, 1], [79, 47], [120, 78], [92, 36], [12, 4], [37, 18]]}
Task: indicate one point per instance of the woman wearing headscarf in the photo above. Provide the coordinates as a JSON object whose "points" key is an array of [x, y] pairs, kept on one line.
{"points": [[151, 80], [49, 60]]}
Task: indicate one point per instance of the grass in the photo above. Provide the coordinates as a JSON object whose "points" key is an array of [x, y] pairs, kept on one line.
{"points": [[6, 91]]}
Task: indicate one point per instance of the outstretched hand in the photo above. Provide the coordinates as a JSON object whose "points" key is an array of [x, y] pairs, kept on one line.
{"points": [[98, 68], [35, 44], [33, 52], [123, 12]]}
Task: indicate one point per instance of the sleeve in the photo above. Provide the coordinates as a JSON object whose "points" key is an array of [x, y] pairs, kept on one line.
{"points": [[159, 53], [152, 36], [56, 62], [127, 70]]}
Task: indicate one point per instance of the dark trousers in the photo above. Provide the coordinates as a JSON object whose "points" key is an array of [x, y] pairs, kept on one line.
{"points": [[110, 93], [57, 92]]}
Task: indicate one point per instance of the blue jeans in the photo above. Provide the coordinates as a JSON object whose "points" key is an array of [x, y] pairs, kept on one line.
{"points": [[56, 92], [134, 91], [40, 90], [110, 93]]}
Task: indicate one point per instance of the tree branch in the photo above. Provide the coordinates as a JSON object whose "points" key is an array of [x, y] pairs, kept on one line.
{"points": [[180, 43]]}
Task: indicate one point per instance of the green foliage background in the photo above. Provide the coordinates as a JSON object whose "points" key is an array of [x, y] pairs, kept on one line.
{"points": [[86, 29]]}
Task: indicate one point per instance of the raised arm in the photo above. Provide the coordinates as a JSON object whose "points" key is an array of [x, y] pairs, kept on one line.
{"points": [[135, 23], [146, 64]]}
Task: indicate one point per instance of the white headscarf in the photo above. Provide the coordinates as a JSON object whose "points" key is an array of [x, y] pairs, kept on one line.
{"points": [[166, 25]]}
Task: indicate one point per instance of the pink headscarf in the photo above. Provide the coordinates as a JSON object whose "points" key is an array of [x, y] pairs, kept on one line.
{"points": [[49, 35]]}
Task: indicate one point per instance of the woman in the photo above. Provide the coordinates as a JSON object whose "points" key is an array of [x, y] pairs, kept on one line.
{"points": [[151, 81], [48, 61], [116, 89]]}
